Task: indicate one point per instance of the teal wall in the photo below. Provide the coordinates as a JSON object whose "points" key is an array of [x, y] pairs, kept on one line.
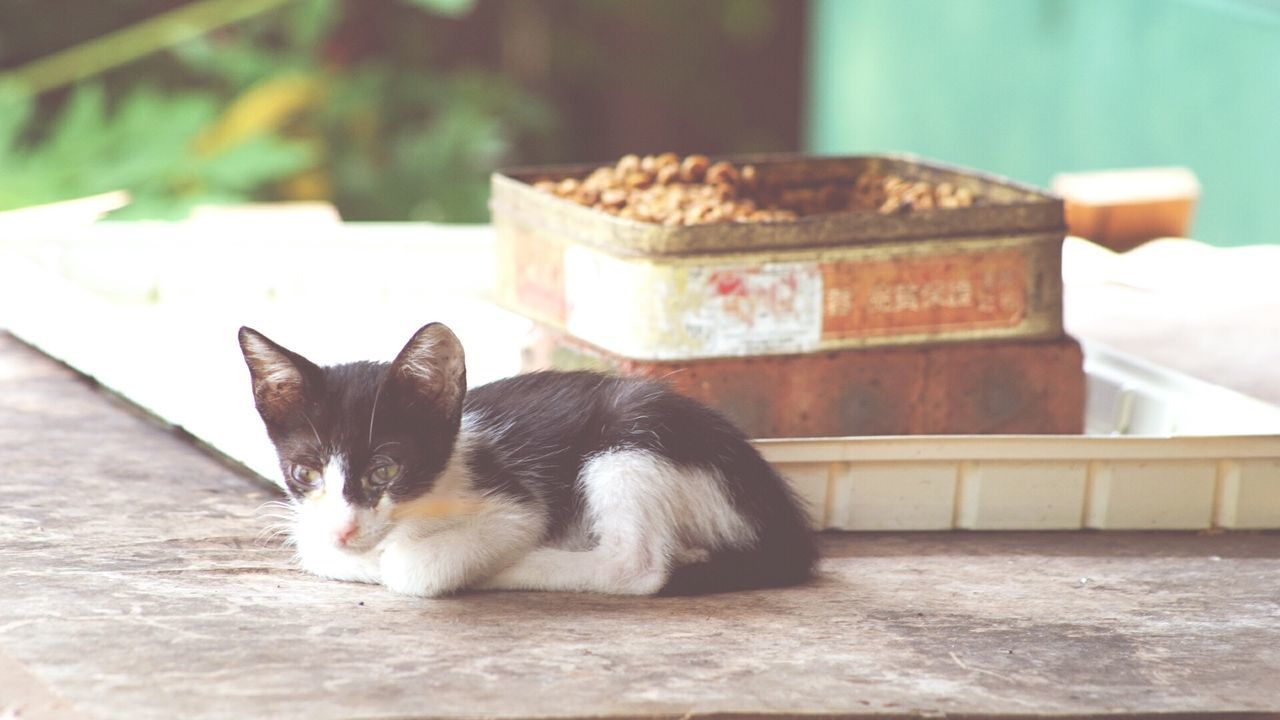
{"points": [[1028, 88]]}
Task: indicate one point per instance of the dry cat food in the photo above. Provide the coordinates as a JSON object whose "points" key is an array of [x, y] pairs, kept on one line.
{"points": [[671, 190]]}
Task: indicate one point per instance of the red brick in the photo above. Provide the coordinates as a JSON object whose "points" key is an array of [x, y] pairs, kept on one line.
{"points": [[1030, 387], [1005, 388]]}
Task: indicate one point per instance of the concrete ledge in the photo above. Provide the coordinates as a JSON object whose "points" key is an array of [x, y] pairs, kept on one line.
{"points": [[177, 357]]}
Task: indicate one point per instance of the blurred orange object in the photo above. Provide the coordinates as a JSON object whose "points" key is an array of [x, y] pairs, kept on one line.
{"points": [[1121, 209]]}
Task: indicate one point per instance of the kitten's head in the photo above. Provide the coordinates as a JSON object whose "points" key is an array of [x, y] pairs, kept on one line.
{"points": [[356, 439]]}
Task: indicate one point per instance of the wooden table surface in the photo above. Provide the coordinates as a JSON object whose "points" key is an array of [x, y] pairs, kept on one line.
{"points": [[131, 586]]}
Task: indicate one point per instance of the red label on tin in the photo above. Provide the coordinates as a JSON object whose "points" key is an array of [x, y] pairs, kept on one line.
{"points": [[924, 294]]}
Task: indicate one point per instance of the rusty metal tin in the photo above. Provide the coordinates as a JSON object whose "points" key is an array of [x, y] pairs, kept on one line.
{"points": [[976, 388], [826, 282]]}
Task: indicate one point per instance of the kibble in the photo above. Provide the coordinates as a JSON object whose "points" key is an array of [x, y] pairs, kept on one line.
{"points": [[693, 168], [723, 173], [668, 190]]}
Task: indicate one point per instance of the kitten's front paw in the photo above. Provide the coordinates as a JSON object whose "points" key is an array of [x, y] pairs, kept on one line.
{"points": [[411, 573]]}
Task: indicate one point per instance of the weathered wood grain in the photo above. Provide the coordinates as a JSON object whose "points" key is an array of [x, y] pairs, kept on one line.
{"points": [[131, 585]]}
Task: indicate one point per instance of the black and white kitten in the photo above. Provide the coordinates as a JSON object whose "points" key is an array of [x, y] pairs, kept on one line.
{"points": [[397, 474]]}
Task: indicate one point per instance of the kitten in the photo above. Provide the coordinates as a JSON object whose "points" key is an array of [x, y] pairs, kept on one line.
{"points": [[397, 474]]}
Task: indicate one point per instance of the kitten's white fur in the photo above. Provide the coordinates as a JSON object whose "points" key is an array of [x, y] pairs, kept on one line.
{"points": [[643, 516]]}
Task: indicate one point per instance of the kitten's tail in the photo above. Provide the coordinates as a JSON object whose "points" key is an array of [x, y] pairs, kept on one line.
{"points": [[730, 570], [785, 554]]}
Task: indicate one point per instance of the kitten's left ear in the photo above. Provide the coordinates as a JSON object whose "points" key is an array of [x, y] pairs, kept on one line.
{"points": [[433, 366], [280, 377]]}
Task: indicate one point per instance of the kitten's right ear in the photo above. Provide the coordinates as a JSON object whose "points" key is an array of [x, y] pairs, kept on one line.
{"points": [[279, 376], [433, 366]]}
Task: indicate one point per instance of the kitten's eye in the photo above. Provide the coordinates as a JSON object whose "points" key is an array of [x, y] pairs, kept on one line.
{"points": [[384, 474], [305, 476]]}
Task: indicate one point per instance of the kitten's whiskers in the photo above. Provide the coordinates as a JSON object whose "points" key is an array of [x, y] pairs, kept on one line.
{"points": [[285, 518], [374, 412]]}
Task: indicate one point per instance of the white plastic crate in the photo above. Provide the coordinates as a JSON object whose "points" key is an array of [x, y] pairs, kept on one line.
{"points": [[1161, 451], [1035, 482]]}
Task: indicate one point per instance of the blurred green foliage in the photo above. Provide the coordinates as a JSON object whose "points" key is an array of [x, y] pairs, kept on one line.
{"points": [[88, 151], [263, 111]]}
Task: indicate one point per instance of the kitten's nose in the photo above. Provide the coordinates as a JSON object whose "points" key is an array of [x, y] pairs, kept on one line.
{"points": [[344, 532]]}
